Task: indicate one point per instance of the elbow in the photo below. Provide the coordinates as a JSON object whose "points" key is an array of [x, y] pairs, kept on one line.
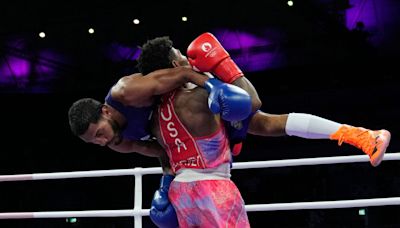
{"points": [[255, 103]]}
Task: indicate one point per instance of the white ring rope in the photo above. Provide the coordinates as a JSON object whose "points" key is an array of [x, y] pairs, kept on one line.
{"points": [[137, 212], [253, 207], [157, 170]]}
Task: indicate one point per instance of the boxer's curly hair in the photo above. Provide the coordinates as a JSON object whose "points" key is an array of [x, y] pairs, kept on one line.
{"points": [[83, 112], [156, 54]]}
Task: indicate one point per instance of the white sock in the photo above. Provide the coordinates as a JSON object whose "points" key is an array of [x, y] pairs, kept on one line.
{"points": [[309, 126]]}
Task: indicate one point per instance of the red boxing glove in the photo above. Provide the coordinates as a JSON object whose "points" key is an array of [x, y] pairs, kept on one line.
{"points": [[207, 55]]}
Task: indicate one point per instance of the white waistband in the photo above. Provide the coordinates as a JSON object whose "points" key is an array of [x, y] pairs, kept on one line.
{"points": [[222, 172]]}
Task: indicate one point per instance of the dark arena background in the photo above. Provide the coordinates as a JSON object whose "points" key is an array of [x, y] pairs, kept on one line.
{"points": [[337, 59]]}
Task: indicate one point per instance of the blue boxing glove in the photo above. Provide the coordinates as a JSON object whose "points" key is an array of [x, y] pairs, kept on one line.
{"points": [[232, 102], [162, 213], [237, 132]]}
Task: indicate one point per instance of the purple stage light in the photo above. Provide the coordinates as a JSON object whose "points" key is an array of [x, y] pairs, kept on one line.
{"points": [[361, 10], [118, 52], [252, 52], [232, 40], [376, 15], [15, 67], [49, 61]]}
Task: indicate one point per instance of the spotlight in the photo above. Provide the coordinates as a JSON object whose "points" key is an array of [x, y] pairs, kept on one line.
{"points": [[136, 21]]}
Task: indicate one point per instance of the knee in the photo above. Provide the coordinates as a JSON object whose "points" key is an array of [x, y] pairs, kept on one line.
{"points": [[265, 124]]}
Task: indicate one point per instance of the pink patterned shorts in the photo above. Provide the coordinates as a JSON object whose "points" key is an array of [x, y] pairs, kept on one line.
{"points": [[208, 203]]}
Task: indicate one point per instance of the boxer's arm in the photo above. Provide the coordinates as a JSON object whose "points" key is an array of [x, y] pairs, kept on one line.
{"points": [[138, 90], [245, 84], [148, 148]]}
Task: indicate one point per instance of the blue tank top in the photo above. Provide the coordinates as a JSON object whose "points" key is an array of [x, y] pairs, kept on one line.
{"points": [[137, 119]]}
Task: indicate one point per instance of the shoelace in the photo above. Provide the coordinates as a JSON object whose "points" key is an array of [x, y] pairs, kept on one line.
{"points": [[358, 140]]}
